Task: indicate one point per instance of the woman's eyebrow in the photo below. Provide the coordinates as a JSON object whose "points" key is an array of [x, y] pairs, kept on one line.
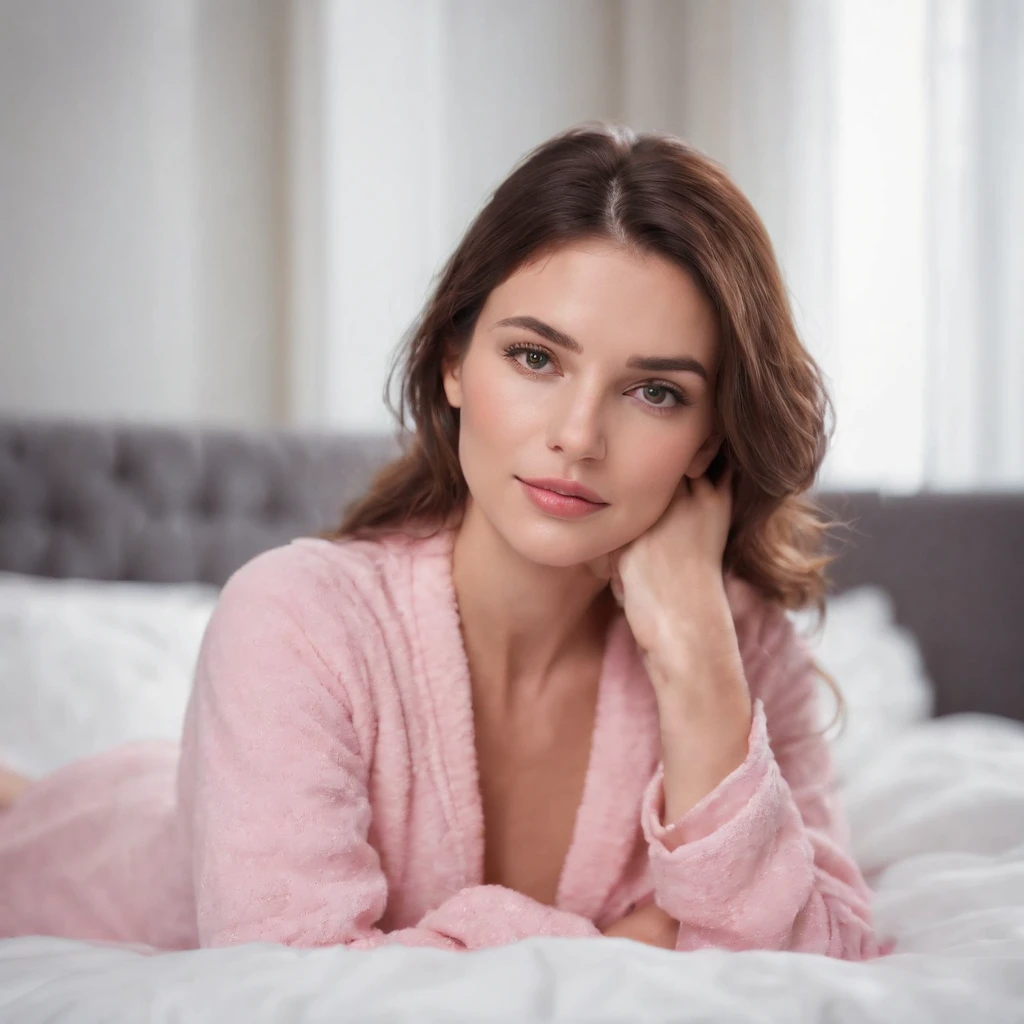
{"points": [[657, 364]]}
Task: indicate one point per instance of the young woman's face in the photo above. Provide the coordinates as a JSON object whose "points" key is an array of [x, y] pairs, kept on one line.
{"points": [[532, 407]]}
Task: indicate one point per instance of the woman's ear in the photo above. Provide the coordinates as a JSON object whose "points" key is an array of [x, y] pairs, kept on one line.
{"points": [[704, 456], [452, 379]]}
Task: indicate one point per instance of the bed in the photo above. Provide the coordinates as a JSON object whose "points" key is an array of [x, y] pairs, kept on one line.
{"points": [[114, 539]]}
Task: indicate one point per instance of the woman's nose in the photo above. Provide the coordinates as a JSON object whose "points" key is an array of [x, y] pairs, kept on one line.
{"points": [[576, 428]]}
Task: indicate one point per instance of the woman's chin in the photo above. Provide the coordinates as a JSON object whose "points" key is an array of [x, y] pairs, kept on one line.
{"points": [[562, 546]]}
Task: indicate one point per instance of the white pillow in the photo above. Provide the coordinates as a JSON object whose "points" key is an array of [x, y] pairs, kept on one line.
{"points": [[86, 665], [878, 668]]}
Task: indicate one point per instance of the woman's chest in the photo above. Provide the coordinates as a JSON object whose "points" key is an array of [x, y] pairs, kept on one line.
{"points": [[461, 793], [532, 775]]}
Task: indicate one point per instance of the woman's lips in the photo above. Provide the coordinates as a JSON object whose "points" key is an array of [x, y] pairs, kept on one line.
{"points": [[563, 506]]}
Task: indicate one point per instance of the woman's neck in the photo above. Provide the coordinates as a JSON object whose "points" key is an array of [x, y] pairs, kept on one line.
{"points": [[523, 623]]}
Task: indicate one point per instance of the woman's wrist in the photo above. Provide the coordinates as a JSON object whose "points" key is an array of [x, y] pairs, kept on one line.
{"points": [[697, 651]]}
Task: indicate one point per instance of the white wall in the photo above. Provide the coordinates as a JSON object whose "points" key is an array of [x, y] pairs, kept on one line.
{"points": [[141, 220]]}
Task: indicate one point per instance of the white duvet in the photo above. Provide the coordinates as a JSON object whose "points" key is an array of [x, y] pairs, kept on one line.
{"points": [[937, 816]]}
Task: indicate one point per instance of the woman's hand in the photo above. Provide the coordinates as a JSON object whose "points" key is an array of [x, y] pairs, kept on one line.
{"points": [[650, 924], [669, 579], [672, 588], [673, 592]]}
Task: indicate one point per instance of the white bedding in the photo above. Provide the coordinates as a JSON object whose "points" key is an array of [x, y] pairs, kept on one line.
{"points": [[938, 819], [936, 811]]}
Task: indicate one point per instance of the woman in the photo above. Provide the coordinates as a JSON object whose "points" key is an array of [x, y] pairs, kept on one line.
{"points": [[528, 686]]}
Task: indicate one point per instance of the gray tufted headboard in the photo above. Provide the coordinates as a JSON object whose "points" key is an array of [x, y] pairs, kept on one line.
{"points": [[167, 504], [171, 505]]}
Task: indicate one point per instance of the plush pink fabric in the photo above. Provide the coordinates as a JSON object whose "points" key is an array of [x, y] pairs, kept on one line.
{"points": [[325, 790]]}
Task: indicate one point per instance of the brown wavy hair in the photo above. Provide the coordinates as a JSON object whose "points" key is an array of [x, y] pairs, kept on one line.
{"points": [[654, 194]]}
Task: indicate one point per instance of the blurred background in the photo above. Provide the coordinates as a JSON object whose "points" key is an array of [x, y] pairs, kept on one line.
{"points": [[228, 212]]}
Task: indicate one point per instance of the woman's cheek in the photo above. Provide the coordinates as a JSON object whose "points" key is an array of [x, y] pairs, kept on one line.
{"points": [[639, 513], [501, 402], [654, 478]]}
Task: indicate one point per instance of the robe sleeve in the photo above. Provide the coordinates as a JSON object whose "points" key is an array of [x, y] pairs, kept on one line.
{"points": [[762, 861], [273, 790]]}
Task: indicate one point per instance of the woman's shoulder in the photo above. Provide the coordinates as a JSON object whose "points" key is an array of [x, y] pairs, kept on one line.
{"points": [[321, 585], [776, 656], [316, 566], [314, 604], [756, 617]]}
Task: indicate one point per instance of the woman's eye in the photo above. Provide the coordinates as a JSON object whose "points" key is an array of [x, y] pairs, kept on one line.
{"points": [[660, 397], [535, 359], [656, 394]]}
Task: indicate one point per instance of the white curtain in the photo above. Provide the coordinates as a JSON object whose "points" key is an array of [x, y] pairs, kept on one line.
{"points": [[976, 222], [406, 114], [881, 141]]}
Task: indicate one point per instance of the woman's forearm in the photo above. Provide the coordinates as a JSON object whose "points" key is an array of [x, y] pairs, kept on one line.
{"points": [[705, 710]]}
